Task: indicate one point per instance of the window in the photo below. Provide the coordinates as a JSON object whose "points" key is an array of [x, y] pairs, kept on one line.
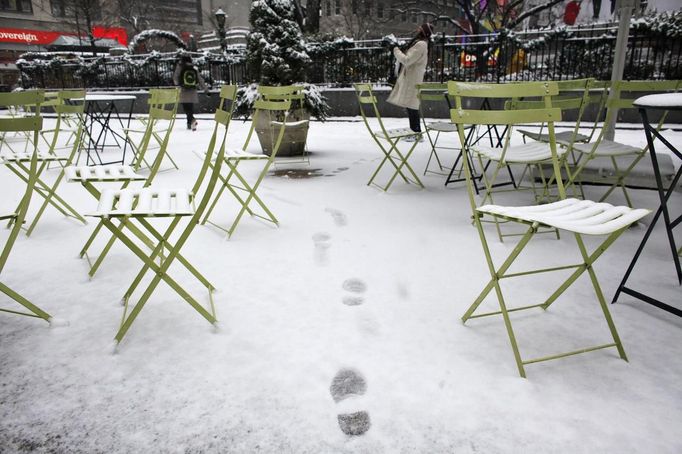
{"points": [[380, 10], [368, 7], [85, 8], [329, 7], [414, 18], [337, 9], [354, 6], [403, 16], [16, 6]]}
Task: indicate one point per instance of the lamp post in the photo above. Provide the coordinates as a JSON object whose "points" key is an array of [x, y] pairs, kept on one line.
{"points": [[220, 17]]}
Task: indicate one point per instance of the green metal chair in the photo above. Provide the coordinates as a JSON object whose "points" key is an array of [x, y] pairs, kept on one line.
{"points": [[136, 208], [163, 107], [89, 176], [391, 137], [69, 103], [574, 95], [578, 217], [24, 125], [274, 108], [523, 155], [432, 93], [615, 160], [69, 106]]}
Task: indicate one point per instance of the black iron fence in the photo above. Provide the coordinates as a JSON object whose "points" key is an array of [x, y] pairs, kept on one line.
{"points": [[564, 53]]}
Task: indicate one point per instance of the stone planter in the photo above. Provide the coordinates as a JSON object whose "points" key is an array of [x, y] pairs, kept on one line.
{"points": [[293, 142]]}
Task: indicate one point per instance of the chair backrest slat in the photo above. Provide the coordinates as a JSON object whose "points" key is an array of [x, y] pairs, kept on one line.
{"points": [[504, 117], [516, 90], [22, 98], [22, 124]]}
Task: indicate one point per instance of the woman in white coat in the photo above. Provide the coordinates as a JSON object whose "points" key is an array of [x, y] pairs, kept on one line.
{"points": [[414, 60]]}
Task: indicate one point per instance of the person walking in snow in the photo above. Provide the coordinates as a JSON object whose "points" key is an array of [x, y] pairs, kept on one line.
{"points": [[413, 60], [187, 76]]}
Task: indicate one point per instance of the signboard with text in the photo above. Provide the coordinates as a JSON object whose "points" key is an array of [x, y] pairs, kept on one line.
{"points": [[17, 35]]}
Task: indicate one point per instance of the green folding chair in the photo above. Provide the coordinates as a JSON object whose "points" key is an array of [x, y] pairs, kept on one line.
{"points": [[24, 125], [429, 94], [298, 124], [89, 176], [523, 155], [163, 107], [391, 137], [69, 105], [613, 161], [274, 108], [136, 208], [573, 98], [578, 96], [70, 102], [578, 217]]}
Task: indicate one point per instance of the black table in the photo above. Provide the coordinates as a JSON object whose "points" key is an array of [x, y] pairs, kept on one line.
{"points": [[100, 111], [472, 138], [670, 102]]}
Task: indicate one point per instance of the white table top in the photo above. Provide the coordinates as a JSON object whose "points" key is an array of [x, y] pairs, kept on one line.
{"points": [[105, 97], [660, 101]]}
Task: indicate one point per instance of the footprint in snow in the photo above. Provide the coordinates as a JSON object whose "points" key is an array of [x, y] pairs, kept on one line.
{"points": [[339, 217], [322, 242], [345, 384], [357, 287]]}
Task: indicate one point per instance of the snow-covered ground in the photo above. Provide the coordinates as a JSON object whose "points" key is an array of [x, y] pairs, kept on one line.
{"points": [[354, 280]]}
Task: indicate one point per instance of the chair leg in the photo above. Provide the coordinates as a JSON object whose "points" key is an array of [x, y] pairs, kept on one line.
{"points": [[404, 163], [495, 283], [160, 274], [35, 310]]}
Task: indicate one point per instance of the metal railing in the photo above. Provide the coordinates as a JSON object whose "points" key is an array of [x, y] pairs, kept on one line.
{"points": [[532, 55]]}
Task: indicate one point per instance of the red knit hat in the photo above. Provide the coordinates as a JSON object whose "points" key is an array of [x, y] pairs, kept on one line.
{"points": [[426, 29]]}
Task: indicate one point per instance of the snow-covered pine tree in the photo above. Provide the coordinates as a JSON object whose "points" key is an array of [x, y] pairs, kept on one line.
{"points": [[275, 47]]}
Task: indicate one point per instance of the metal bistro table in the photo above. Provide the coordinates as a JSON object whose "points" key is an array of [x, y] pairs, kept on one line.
{"points": [[670, 102], [472, 138], [100, 111]]}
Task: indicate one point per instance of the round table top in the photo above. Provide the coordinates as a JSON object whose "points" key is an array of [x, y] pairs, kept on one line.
{"points": [[105, 97], [668, 101]]}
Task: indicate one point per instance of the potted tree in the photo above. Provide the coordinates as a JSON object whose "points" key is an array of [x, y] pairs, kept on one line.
{"points": [[276, 56]]}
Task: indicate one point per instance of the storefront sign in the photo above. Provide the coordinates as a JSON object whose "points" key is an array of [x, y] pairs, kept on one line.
{"points": [[37, 37], [17, 35]]}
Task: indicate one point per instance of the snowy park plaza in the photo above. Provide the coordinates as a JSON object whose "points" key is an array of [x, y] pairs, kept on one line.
{"points": [[352, 306]]}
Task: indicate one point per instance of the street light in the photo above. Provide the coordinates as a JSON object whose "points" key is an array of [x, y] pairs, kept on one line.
{"points": [[220, 17]]}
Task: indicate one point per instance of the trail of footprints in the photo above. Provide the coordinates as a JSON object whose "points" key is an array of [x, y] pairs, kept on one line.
{"points": [[347, 382]]}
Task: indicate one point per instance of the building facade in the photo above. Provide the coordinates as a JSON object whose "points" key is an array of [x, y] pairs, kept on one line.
{"points": [[365, 19]]}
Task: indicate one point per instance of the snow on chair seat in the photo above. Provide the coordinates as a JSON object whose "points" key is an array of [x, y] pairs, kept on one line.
{"points": [[144, 202], [103, 173], [442, 126], [527, 153], [607, 148], [395, 133], [290, 124], [236, 153], [8, 155], [563, 137], [573, 215]]}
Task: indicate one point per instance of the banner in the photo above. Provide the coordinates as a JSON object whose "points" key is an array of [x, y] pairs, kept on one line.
{"points": [[41, 38], [36, 37]]}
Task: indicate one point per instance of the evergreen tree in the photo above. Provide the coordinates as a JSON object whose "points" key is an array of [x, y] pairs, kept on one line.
{"points": [[276, 52]]}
